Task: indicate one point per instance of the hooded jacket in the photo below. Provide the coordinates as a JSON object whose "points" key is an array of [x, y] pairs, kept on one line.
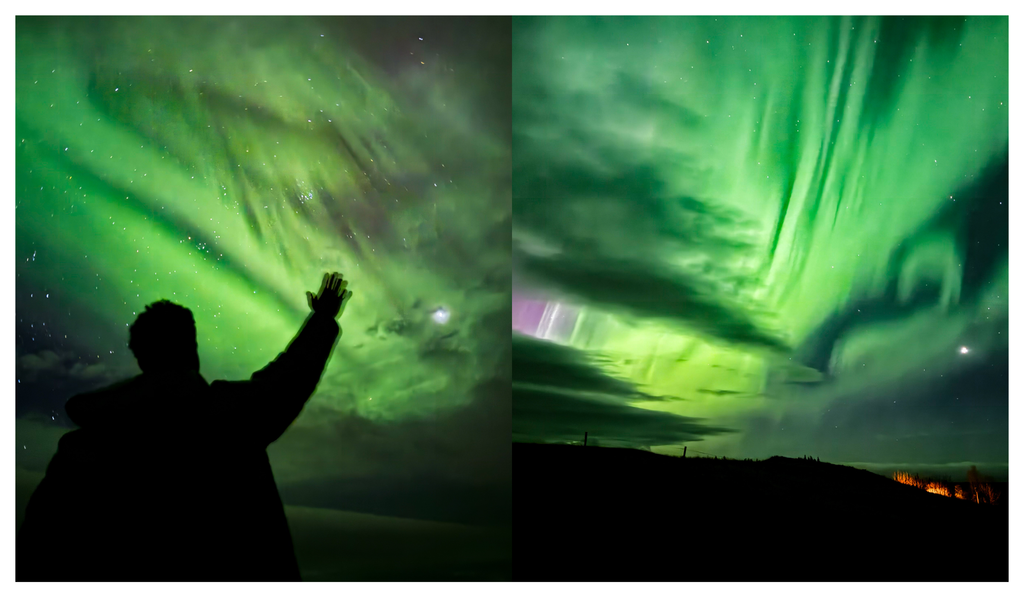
{"points": [[167, 477]]}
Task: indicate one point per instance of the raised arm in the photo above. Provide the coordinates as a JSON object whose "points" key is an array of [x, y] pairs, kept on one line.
{"points": [[274, 396]]}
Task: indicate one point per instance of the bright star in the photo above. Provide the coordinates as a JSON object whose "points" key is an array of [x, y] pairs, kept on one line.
{"points": [[441, 315], [963, 350]]}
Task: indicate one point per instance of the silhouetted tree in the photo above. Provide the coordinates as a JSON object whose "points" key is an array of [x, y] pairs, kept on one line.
{"points": [[980, 488], [974, 484]]}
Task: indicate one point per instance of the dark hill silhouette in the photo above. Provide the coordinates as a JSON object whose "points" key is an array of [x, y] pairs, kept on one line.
{"points": [[613, 514]]}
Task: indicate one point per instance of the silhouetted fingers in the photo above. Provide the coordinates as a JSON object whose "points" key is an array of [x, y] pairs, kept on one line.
{"points": [[323, 285]]}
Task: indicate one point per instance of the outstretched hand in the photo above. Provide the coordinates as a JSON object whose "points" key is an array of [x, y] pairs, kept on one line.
{"points": [[332, 298]]}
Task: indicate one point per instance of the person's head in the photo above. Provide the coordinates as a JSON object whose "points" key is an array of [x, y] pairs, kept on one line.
{"points": [[163, 339]]}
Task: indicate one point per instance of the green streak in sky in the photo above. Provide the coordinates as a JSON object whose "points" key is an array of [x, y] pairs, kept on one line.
{"points": [[773, 166], [225, 164]]}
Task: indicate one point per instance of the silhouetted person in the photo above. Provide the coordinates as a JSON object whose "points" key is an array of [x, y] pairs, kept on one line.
{"points": [[168, 477]]}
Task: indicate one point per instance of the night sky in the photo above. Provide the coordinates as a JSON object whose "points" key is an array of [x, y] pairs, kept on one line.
{"points": [[748, 236], [226, 164], [764, 235]]}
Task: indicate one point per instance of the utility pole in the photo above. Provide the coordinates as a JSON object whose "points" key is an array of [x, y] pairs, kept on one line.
{"points": [[684, 451], [585, 438]]}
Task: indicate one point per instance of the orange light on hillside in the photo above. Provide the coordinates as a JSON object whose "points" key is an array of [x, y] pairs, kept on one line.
{"points": [[938, 488], [908, 479]]}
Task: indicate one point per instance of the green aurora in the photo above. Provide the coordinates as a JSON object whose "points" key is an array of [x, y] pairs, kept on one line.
{"points": [[766, 224], [225, 164]]}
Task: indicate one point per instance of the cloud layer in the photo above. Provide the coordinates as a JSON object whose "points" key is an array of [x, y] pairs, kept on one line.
{"points": [[558, 394]]}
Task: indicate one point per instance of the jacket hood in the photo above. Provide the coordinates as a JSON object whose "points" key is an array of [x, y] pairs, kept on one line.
{"points": [[145, 399]]}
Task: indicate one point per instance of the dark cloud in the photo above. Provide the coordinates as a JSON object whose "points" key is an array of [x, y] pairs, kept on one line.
{"points": [[649, 290], [47, 378], [719, 392], [540, 363], [559, 393], [47, 363], [549, 415]]}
